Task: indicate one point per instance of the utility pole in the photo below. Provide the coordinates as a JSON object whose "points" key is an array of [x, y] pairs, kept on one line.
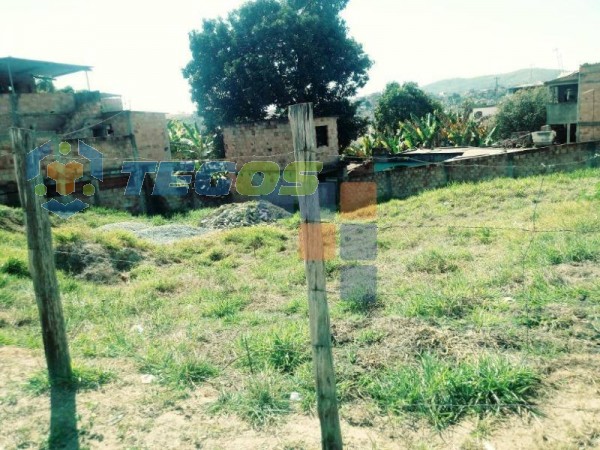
{"points": [[63, 426], [305, 147]]}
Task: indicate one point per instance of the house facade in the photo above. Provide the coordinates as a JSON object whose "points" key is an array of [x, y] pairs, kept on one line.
{"points": [[574, 109], [96, 118], [272, 141]]}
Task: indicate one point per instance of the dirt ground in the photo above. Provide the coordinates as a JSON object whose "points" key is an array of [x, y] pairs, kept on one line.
{"points": [[130, 414]]}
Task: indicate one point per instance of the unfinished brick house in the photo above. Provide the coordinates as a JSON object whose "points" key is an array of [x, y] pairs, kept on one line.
{"points": [[94, 117], [574, 111], [272, 141]]}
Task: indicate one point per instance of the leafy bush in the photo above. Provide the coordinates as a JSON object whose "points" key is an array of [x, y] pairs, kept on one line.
{"points": [[523, 111], [399, 102]]}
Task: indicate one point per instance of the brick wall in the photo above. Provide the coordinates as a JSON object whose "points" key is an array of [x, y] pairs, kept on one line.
{"points": [[150, 131], [404, 182], [273, 138], [151, 135], [589, 103]]}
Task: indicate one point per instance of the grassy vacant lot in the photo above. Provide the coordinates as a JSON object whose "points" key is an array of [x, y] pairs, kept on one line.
{"points": [[481, 331]]}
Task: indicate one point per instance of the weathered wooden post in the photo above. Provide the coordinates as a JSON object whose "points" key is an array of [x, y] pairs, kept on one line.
{"points": [[45, 283], [304, 137]]}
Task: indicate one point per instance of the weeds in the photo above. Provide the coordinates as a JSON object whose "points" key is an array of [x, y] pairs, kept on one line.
{"points": [[177, 370], [15, 267], [437, 261], [443, 392], [283, 349], [84, 379], [263, 400]]}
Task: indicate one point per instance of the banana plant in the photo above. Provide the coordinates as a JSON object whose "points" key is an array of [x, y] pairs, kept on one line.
{"points": [[188, 142], [420, 132]]}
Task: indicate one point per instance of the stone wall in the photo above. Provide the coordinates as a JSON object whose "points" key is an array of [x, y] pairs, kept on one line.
{"points": [[589, 103], [272, 141], [403, 182]]}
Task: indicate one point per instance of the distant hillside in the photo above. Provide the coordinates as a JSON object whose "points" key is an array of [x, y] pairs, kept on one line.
{"points": [[462, 85]]}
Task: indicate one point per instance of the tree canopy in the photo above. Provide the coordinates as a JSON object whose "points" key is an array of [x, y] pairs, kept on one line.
{"points": [[523, 111], [269, 54], [399, 103]]}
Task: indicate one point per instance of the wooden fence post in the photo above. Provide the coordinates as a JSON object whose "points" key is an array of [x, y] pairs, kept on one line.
{"points": [[304, 137], [45, 283]]}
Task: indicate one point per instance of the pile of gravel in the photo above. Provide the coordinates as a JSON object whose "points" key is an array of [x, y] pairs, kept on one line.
{"points": [[165, 234], [244, 215]]}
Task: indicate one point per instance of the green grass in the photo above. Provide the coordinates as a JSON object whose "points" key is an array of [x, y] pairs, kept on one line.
{"points": [[283, 349], [231, 309], [16, 267], [84, 379], [175, 369], [443, 392], [261, 402]]}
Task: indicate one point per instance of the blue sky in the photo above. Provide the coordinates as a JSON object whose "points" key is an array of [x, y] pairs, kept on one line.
{"points": [[138, 48]]}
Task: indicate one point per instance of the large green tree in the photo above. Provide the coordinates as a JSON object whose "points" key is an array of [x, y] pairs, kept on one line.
{"points": [[522, 111], [269, 54], [399, 103]]}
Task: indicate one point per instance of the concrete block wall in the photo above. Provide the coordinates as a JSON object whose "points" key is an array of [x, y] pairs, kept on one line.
{"points": [[403, 182], [46, 103], [272, 141], [589, 103], [151, 136]]}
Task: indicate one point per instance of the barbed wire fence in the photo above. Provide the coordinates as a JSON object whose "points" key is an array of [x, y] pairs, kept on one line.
{"points": [[533, 231]]}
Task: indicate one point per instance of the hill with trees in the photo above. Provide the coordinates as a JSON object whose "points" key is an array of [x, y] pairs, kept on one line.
{"points": [[505, 80]]}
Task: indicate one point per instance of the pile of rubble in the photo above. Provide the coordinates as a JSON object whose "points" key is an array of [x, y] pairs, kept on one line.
{"points": [[244, 215]]}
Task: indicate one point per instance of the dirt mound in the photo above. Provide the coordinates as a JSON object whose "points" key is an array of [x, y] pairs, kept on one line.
{"points": [[11, 219], [92, 262], [244, 215]]}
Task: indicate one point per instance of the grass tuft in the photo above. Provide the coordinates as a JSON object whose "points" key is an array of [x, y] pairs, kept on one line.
{"points": [[263, 400], [438, 261], [84, 379], [16, 267], [282, 349], [176, 370], [443, 391]]}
